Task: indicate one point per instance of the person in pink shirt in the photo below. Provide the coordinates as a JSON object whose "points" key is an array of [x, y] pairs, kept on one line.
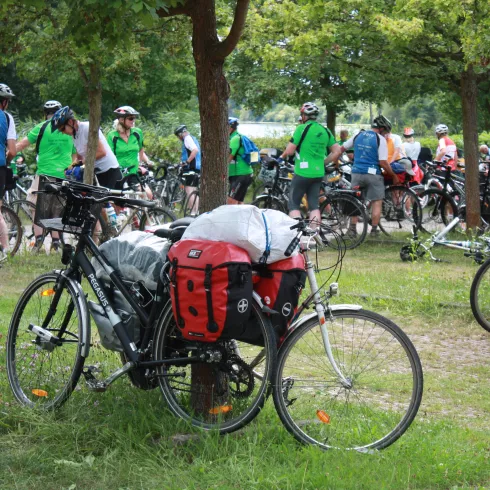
{"points": [[446, 150]]}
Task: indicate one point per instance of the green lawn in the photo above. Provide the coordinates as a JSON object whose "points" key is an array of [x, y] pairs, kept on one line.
{"points": [[124, 438]]}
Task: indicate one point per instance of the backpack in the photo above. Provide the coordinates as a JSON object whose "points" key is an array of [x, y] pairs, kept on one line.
{"points": [[116, 137], [250, 150], [210, 288]]}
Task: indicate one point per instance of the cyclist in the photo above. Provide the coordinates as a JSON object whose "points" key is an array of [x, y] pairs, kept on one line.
{"points": [[127, 142], [484, 153], [395, 147], [446, 150], [8, 137], [371, 155], [239, 171], [191, 163], [55, 153], [107, 168], [412, 150], [310, 144]]}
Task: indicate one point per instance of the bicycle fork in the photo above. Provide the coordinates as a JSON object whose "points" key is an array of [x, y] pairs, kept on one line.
{"points": [[320, 311]]}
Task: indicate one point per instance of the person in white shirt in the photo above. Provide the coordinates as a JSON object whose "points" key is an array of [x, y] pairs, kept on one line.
{"points": [[412, 150]]}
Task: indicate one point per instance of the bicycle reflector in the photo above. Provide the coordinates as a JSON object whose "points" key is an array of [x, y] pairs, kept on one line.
{"points": [[47, 292], [221, 409], [40, 393], [323, 417]]}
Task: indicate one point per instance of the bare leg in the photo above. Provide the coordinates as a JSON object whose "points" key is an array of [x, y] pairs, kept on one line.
{"points": [[375, 212], [4, 232]]}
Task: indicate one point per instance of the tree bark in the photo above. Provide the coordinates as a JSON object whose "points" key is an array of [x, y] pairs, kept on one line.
{"points": [[331, 118], [469, 93], [94, 90]]}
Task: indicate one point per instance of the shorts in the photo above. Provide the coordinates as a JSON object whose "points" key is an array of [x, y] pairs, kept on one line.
{"points": [[239, 185], [371, 186], [301, 186], [3, 178], [110, 178], [191, 179]]}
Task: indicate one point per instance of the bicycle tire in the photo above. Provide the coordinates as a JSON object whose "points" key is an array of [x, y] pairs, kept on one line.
{"points": [[39, 374], [189, 206], [314, 405], [14, 229], [25, 211], [400, 211], [259, 190], [337, 211], [156, 217], [269, 202], [438, 211], [241, 405], [480, 295]]}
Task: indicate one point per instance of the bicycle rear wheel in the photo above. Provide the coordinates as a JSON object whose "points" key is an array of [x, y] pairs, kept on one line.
{"points": [[480, 295], [156, 217], [384, 374], [344, 215], [236, 386], [439, 210], [42, 373], [401, 210], [191, 207], [14, 230]]}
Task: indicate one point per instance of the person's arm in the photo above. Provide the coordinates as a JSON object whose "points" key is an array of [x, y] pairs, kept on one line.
{"points": [[290, 150], [442, 152], [100, 153], [334, 155], [11, 150], [192, 155], [387, 168], [22, 145], [383, 160], [143, 157]]}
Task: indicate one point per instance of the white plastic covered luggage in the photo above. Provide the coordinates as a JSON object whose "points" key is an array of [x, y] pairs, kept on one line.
{"points": [[248, 227]]}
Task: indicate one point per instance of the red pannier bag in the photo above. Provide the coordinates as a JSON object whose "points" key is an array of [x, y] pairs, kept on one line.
{"points": [[211, 289], [280, 286]]}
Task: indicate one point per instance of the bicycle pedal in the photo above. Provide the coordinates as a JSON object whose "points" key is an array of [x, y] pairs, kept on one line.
{"points": [[92, 382]]}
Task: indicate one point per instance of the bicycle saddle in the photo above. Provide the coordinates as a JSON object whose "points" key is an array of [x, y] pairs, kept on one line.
{"points": [[182, 222]]}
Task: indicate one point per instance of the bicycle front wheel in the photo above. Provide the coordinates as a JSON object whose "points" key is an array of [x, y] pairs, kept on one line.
{"points": [[480, 295], [14, 230], [401, 210], [343, 215], [222, 395], [383, 390], [156, 217], [42, 373], [438, 211], [25, 211]]}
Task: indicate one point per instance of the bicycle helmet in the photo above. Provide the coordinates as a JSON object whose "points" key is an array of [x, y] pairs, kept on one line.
{"points": [[408, 132], [180, 129], [381, 122], [5, 92], [233, 122], [52, 106], [125, 111], [309, 109], [61, 117], [442, 129]]}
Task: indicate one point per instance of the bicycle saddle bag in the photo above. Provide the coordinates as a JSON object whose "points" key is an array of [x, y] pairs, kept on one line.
{"points": [[211, 289], [280, 285]]}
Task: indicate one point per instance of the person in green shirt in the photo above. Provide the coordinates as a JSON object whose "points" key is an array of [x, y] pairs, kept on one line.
{"points": [[310, 144], [239, 171], [55, 153]]}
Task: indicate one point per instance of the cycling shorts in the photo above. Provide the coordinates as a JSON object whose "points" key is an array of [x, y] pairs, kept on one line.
{"points": [[191, 179], [111, 178], [301, 186], [372, 186], [239, 185], [3, 178]]}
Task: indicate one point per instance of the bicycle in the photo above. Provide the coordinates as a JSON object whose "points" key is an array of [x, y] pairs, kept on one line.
{"points": [[49, 336], [480, 295], [346, 377], [14, 233]]}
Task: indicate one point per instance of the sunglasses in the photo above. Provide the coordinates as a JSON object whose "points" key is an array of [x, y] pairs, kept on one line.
{"points": [[131, 118]]}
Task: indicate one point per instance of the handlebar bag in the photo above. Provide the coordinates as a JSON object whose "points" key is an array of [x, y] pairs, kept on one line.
{"points": [[211, 289], [280, 285]]}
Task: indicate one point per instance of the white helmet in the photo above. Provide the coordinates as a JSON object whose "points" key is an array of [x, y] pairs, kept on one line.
{"points": [[125, 111], [5, 92], [52, 106], [442, 129]]}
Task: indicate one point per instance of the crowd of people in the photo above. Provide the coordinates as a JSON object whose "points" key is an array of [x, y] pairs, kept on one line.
{"points": [[61, 147]]}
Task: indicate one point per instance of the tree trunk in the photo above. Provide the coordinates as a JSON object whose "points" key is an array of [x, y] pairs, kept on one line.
{"points": [[469, 92], [331, 118], [94, 90], [213, 93]]}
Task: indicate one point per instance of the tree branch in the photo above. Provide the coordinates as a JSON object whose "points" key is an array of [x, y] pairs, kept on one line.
{"points": [[171, 11]]}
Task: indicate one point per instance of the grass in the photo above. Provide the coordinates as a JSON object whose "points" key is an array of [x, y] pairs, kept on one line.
{"points": [[124, 438]]}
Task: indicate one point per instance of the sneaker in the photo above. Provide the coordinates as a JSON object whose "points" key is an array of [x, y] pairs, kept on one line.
{"points": [[375, 233], [55, 246], [38, 245]]}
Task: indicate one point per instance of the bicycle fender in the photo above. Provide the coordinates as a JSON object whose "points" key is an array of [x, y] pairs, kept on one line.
{"points": [[85, 334]]}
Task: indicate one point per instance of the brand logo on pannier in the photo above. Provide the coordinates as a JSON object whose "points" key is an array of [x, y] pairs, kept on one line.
{"points": [[286, 309], [194, 254], [242, 306]]}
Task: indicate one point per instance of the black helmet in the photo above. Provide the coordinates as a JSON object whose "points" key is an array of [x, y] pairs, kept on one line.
{"points": [[381, 122], [61, 117], [180, 129]]}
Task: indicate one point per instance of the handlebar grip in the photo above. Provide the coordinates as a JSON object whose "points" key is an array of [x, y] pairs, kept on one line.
{"points": [[294, 243], [138, 203]]}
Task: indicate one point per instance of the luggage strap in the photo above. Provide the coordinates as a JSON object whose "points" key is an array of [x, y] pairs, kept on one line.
{"points": [[212, 326], [173, 282]]}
